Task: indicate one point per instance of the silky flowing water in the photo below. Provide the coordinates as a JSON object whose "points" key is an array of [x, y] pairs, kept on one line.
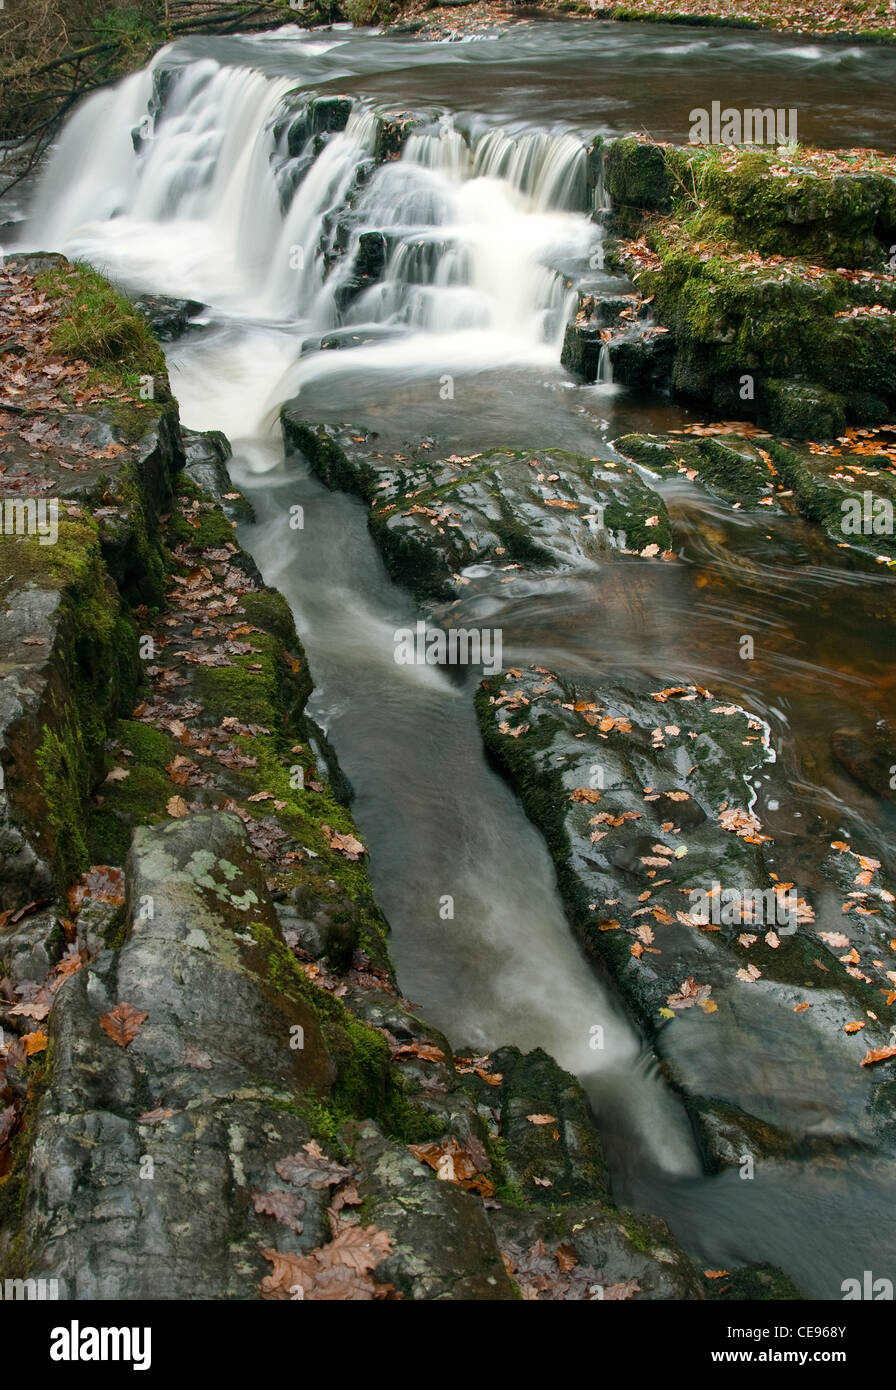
{"points": [[488, 215]]}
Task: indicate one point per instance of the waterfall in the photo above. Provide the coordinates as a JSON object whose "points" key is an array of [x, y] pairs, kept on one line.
{"points": [[551, 169], [604, 367], [205, 180], [324, 188]]}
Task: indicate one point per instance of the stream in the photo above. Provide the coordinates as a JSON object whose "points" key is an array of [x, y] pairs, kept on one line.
{"points": [[488, 219]]}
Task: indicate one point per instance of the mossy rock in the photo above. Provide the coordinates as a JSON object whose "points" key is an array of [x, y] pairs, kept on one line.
{"points": [[798, 410]]}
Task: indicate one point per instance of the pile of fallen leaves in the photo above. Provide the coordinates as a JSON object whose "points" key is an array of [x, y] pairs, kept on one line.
{"points": [[809, 17], [340, 1270]]}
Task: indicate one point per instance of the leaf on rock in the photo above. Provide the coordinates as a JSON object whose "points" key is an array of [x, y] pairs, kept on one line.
{"points": [[285, 1207], [195, 1057], [339, 1271], [123, 1023], [312, 1168], [102, 883], [343, 844], [689, 994], [878, 1054], [454, 1164]]}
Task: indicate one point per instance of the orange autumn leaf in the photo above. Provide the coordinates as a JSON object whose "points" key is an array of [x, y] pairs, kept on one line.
{"points": [[878, 1054], [35, 1042], [853, 1027], [123, 1023]]}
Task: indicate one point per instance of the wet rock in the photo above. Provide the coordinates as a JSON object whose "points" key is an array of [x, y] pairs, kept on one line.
{"points": [[616, 1247], [54, 642], [869, 757], [853, 508], [434, 517], [731, 467], [443, 1247], [636, 174], [799, 410], [145, 1157], [30, 948], [168, 318], [631, 785], [367, 268], [326, 930], [321, 116], [207, 453], [643, 360], [756, 1283], [557, 1161], [766, 269]]}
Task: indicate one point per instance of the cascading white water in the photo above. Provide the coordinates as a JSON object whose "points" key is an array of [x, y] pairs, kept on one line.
{"points": [[182, 172], [550, 169], [604, 367], [325, 187]]}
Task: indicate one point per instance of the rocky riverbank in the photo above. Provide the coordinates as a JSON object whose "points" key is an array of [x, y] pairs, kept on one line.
{"points": [[196, 994]]}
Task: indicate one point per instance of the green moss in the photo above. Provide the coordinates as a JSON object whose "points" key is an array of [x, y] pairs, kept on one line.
{"points": [[756, 1283], [213, 529], [150, 747], [636, 174], [62, 764], [268, 609], [94, 671], [360, 1053], [234, 690], [638, 1232], [98, 326]]}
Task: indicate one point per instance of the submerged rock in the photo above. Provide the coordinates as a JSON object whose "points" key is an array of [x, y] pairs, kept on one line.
{"points": [[870, 757]]}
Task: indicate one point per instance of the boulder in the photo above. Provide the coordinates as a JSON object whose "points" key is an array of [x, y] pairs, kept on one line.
{"points": [[146, 1157]]}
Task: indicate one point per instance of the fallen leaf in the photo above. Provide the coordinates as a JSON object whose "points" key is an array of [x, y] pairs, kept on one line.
{"points": [[123, 1023], [35, 1042], [285, 1207], [878, 1054]]}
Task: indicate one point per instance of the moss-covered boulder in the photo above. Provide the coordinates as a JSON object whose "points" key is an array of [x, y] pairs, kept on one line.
{"points": [[433, 516], [773, 273], [845, 487]]}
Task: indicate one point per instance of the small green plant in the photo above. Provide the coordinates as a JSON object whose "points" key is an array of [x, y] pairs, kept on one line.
{"points": [[97, 325]]}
